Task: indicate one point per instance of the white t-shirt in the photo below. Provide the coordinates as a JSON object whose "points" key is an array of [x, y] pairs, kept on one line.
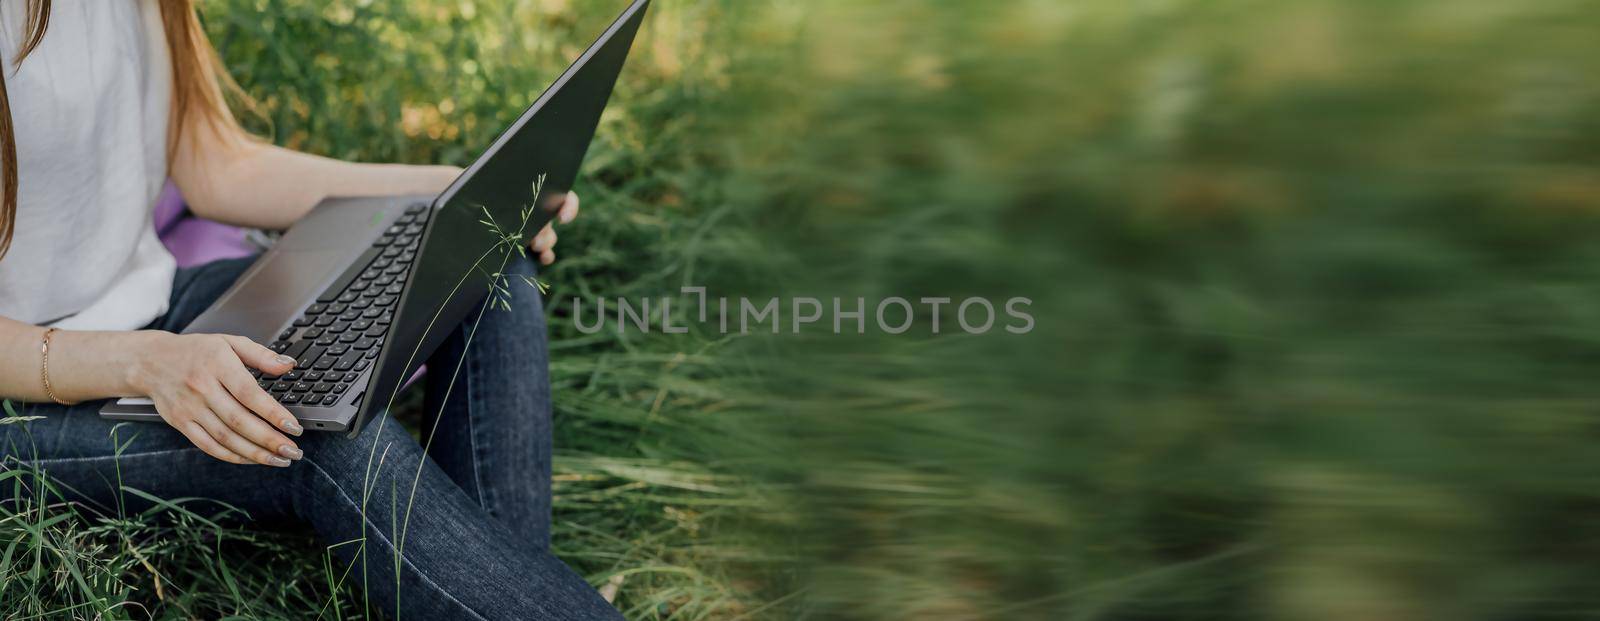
{"points": [[89, 106]]}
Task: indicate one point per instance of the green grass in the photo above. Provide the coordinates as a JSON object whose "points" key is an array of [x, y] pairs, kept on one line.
{"points": [[1314, 282]]}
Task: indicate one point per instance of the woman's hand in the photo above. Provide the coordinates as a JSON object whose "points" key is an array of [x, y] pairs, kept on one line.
{"points": [[544, 244], [201, 387]]}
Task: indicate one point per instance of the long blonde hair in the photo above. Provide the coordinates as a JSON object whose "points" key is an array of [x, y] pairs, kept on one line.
{"points": [[198, 83]]}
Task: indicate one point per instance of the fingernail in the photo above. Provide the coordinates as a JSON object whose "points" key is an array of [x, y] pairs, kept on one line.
{"points": [[290, 452], [282, 359], [277, 461], [291, 426]]}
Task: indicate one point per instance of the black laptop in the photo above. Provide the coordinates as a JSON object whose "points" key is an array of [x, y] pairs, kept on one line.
{"points": [[362, 290]]}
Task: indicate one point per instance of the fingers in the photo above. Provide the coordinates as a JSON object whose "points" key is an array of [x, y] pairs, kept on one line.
{"points": [[202, 439], [258, 356], [220, 427], [569, 208], [544, 245], [268, 443], [243, 389], [215, 438], [544, 240]]}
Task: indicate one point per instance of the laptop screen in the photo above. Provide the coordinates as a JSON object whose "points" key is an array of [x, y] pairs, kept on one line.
{"points": [[466, 242]]}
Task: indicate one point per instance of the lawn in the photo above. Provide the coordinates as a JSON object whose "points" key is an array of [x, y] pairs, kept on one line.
{"points": [[1315, 282]]}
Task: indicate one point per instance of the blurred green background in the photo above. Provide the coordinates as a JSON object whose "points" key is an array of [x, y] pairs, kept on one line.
{"points": [[1316, 285]]}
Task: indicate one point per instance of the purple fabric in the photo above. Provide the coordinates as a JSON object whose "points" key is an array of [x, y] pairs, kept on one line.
{"points": [[169, 206], [194, 241]]}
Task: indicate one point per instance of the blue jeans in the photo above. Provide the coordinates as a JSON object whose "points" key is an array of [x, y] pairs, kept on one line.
{"points": [[477, 543]]}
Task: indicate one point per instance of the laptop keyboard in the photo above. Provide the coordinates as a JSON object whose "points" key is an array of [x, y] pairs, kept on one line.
{"points": [[337, 337]]}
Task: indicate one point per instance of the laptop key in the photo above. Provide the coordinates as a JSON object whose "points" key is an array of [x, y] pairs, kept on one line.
{"points": [[384, 241], [347, 296], [338, 350], [339, 389], [292, 376], [311, 333], [310, 356], [315, 309], [371, 353], [330, 399], [349, 337], [334, 309], [332, 292], [327, 339], [297, 349], [322, 387], [282, 386], [313, 376], [290, 399], [350, 377], [364, 344], [301, 387], [324, 321], [284, 336], [302, 321], [362, 364], [370, 313]]}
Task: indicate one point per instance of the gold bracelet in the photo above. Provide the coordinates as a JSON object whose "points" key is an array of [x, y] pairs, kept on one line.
{"points": [[44, 367]]}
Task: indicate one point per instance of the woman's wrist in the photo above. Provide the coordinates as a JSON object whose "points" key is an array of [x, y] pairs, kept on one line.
{"points": [[86, 365], [133, 353]]}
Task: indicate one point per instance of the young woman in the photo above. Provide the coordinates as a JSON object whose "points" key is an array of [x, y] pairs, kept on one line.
{"points": [[101, 102]]}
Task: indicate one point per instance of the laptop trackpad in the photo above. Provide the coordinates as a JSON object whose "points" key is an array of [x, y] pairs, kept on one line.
{"points": [[272, 294]]}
